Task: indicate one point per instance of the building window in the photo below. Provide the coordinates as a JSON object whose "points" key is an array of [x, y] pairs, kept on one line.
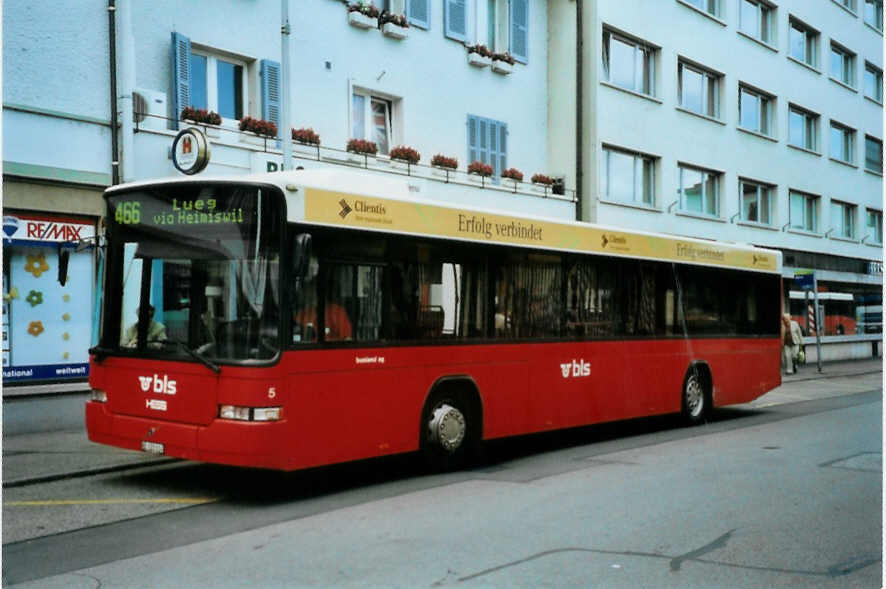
{"points": [[874, 223], [847, 4], [843, 219], [371, 120], [755, 19], [699, 191], [842, 143], [699, 90], [709, 6], [628, 63], [873, 82], [755, 110], [756, 202], [487, 143], [628, 177], [873, 13], [218, 83], [873, 154], [804, 211], [803, 43], [842, 65], [802, 128]]}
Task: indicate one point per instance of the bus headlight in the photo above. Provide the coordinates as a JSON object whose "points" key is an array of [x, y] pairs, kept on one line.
{"points": [[266, 414], [249, 413], [99, 396]]}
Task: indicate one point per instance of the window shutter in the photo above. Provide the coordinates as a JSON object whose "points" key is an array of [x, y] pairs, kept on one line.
{"points": [[181, 76], [520, 30], [456, 17], [473, 139], [270, 93], [419, 13]]}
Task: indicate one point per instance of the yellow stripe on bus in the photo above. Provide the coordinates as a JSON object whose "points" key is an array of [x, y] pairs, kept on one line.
{"points": [[347, 210]]}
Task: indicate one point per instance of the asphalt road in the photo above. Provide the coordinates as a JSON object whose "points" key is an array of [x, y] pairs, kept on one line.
{"points": [[782, 495]]}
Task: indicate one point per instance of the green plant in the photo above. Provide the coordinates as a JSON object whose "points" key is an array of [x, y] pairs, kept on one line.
{"points": [[479, 49], [506, 57], [397, 19], [365, 9]]}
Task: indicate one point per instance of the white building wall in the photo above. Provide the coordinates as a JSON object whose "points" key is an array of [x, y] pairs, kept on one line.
{"points": [[657, 127], [427, 75]]}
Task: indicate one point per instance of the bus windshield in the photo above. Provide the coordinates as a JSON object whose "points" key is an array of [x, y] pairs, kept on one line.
{"points": [[193, 272]]}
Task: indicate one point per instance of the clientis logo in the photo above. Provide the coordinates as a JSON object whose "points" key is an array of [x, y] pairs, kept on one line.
{"points": [[161, 386]]}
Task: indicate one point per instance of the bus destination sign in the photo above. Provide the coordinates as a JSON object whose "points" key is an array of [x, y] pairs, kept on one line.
{"points": [[178, 212]]}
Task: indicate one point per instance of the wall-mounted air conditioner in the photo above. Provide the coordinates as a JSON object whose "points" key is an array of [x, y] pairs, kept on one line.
{"points": [[149, 109]]}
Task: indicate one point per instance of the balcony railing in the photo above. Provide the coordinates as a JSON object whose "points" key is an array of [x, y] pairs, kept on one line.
{"points": [[376, 163]]}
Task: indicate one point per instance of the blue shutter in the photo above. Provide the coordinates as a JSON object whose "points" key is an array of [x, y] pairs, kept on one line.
{"points": [[270, 94], [181, 76], [520, 30], [473, 139], [456, 19], [419, 13]]}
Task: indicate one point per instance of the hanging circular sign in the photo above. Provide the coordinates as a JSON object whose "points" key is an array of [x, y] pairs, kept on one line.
{"points": [[190, 151]]}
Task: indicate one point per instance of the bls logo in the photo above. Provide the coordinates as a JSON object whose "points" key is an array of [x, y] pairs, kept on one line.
{"points": [[576, 368], [162, 386]]}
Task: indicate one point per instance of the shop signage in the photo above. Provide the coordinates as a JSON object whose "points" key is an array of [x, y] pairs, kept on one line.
{"points": [[22, 228], [804, 279], [190, 151]]}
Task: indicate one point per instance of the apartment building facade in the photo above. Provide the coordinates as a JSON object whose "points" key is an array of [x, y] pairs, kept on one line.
{"points": [[417, 85], [741, 120]]}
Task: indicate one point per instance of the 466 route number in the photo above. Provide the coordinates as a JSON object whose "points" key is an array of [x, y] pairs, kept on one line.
{"points": [[128, 213]]}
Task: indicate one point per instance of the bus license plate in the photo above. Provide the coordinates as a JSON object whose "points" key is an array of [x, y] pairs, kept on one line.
{"points": [[152, 447]]}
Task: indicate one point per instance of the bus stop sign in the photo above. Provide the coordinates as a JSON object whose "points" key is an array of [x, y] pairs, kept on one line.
{"points": [[804, 279]]}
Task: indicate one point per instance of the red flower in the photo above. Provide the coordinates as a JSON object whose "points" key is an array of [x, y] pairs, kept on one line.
{"points": [[362, 146], [444, 162], [404, 153], [542, 179], [513, 174], [480, 169]]}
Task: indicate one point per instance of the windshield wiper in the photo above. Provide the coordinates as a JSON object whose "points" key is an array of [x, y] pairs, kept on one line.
{"points": [[196, 355]]}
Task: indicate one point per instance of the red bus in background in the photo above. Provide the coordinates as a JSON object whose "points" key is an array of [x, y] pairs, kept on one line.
{"points": [[304, 318]]}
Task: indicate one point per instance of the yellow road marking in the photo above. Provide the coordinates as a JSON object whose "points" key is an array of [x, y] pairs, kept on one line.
{"points": [[174, 500]]}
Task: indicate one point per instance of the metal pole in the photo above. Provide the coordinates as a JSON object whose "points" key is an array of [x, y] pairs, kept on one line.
{"points": [[112, 47], [285, 131], [818, 322]]}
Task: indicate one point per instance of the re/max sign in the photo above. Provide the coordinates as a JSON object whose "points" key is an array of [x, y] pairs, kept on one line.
{"points": [[53, 231]]}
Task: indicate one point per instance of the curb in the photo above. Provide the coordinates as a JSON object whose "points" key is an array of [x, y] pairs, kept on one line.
{"points": [[820, 376], [83, 473]]}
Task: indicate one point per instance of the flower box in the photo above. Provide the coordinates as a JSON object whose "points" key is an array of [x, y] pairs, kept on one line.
{"points": [[208, 130], [306, 149], [511, 184], [442, 172], [542, 188], [478, 179], [255, 139], [362, 159], [502, 67], [361, 21], [477, 60], [394, 31]]}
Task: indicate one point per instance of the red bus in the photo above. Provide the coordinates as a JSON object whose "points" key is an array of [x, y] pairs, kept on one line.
{"points": [[297, 319]]}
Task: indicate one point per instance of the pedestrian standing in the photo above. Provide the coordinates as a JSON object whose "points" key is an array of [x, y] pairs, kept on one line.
{"points": [[788, 343]]}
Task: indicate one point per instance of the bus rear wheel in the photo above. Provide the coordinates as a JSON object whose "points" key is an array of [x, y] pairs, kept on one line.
{"points": [[448, 438], [695, 398]]}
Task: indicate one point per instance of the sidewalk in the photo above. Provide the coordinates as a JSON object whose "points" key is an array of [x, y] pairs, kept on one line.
{"points": [[45, 456]]}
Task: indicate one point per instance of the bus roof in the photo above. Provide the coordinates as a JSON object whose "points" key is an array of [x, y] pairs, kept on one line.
{"points": [[357, 200]]}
